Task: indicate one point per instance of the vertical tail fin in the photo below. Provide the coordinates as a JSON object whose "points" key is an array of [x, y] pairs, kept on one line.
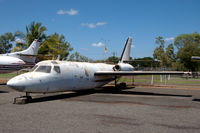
{"points": [[32, 49], [28, 55], [126, 52]]}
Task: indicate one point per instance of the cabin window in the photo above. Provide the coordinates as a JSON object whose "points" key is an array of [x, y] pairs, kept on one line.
{"points": [[57, 69], [45, 69]]}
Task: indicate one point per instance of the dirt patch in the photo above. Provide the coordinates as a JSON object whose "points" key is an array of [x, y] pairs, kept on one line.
{"points": [[3, 81]]}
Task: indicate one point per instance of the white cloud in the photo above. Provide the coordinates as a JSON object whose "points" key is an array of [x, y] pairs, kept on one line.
{"points": [[100, 44], [169, 39], [101, 23], [89, 25], [132, 46], [18, 40], [92, 25], [70, 12]]}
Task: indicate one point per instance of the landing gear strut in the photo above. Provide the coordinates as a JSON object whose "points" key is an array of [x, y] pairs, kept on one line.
{"points": [[23, 99], [122, 85], [115, 82]]}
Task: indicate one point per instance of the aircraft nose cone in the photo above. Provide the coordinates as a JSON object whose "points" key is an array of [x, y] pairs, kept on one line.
{"points": [[15, 84]]}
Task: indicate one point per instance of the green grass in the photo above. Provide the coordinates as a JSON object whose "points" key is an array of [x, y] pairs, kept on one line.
{"points": [[174, 80], [7, 75]]}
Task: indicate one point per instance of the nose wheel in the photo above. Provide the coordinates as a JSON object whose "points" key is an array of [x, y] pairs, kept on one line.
{"points": [[23, 99]]}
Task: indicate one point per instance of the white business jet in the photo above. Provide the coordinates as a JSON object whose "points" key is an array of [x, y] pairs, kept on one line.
{"points": [[195, 57], [58, 76], [15, 61]]}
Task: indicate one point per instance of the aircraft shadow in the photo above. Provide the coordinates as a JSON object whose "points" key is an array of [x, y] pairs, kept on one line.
{"points": [[60, 96], [107, 90], [4, 91], [196, 100], [120, 91]]}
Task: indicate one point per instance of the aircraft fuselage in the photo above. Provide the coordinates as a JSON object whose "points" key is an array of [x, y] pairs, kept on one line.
{"points": [[62, 76]]}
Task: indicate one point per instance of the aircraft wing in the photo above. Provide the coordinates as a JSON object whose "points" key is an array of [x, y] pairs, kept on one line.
{"points": [[129, 73]]}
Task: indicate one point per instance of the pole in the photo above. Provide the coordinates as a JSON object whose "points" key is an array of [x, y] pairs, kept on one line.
{"points": [[152, 80]]}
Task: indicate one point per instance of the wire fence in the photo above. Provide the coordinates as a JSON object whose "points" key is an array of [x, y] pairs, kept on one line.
{"points": [[164, 80]]}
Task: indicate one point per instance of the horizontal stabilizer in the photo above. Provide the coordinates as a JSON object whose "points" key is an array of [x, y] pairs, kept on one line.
{"points": [[195, 57], [27, 55]]}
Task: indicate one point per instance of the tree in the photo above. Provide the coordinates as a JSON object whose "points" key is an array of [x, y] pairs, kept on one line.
{"points": [[145, 62], [52, 45], [165, 56], [160, 41], [113, 59], [6, 42], [159, 52], [55, 45], [34, 31], [77, 57], [188, 45], [170, 52]]}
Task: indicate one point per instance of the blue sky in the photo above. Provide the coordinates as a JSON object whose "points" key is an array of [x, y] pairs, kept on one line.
{"points": [[87, 23]]}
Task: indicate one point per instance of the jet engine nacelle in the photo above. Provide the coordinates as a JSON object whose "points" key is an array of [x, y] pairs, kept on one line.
{"points": [[123, 67]]}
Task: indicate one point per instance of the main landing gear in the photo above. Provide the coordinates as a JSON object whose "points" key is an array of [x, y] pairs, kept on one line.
{"points": [[23, 99], [120, 85]]}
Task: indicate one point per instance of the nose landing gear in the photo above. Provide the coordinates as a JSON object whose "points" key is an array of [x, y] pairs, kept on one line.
{"points": [[23, 99]]}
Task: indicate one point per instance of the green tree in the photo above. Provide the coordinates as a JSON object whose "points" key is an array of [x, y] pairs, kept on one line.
{"points": [[55, 45], [170, 52], [52, 45], [159, 52], [6, 42], [188, 45], [34, 31], [113, 59], [160, 41], [77, 57], [165, 56], [144, 62]]}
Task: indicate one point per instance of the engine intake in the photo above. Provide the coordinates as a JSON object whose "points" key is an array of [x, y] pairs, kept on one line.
{"points": [[123, 67]]}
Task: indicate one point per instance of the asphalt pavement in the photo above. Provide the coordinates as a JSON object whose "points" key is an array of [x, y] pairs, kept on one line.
{"points": [[152, 110]]}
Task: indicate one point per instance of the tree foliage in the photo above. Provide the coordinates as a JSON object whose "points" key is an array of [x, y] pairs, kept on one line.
{"points": [[6, 42], [188, 45], [144, 62], [55, 45], [113, 59], [34, 31], [165, 56], [77, 57], [51, 47]]}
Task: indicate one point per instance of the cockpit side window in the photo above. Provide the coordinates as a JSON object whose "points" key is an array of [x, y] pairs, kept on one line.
{"points": [[57, 69], [45, 69]]}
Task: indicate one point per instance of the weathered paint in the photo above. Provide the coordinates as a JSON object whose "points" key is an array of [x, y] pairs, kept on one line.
{"points": [[73, 76]]}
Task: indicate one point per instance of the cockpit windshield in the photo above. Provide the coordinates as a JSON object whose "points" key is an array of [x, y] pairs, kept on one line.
{"points": [[33, 69], [45, 69]]}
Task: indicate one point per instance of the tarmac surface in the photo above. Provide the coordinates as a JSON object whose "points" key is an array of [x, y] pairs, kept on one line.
{"points": [[152, 110]]}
